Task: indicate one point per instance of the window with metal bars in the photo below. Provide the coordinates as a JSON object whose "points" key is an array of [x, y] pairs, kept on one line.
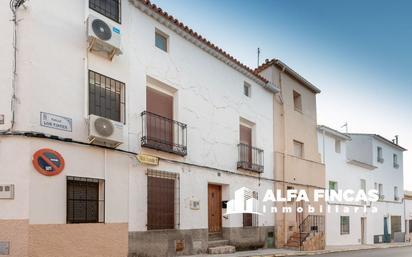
{"points": [[162, 200], [85, 200], [106, 97], [251, 219], [344, 225], [109, 8]]}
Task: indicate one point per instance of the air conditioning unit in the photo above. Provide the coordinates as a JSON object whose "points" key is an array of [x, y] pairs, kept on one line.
{"points": [[7, 191], [105, 132], [103, 36]]}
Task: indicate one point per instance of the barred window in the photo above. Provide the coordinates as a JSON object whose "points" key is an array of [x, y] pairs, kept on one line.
{"points": [[344, 225], [109, 8], [106, 97], [85, 200], [251, 219], [162, 200]]}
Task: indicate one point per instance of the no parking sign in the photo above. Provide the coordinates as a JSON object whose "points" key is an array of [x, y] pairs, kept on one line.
{"points": [[48, 162]]}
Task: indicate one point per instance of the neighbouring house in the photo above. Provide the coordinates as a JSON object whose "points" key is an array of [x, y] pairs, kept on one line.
{"points": [[363, 162], [129, 133], [408, 214], [297, 160]]}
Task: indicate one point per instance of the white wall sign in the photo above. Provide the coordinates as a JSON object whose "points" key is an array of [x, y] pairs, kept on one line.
{"points": [[55, 121]]}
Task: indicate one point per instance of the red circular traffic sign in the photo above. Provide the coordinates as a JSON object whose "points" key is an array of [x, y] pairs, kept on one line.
{"points": [[48, 162]]}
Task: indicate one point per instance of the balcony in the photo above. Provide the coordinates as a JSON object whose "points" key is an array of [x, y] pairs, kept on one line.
{"points": [[250, 158], [163, 134]]}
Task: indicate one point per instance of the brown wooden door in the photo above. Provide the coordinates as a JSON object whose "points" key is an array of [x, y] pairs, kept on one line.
{"points": [[246, 139], [159, 125], [215, 208]]}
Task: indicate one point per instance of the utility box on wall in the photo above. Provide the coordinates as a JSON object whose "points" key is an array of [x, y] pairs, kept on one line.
{"points": [[7, 191]]}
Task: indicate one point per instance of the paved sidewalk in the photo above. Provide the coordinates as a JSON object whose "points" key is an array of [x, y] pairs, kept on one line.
{"points": [[285, 252]]}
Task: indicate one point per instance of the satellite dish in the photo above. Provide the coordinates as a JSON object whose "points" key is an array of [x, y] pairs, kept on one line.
{"points": [[104, 127], [101, 29]]}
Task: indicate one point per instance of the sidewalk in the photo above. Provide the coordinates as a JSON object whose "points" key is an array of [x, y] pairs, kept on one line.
{"points": [[286, 252]]}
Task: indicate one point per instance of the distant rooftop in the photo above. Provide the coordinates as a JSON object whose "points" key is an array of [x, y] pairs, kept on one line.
{"points": [[380, 138]]}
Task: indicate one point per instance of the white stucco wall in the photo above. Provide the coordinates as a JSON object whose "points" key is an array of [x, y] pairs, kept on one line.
{"points": [[52, 77], [349, 176]]}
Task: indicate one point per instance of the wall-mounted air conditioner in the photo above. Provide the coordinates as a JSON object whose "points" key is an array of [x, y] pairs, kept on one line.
{"points": [[105, 132], [7, 191], [103, 37]]}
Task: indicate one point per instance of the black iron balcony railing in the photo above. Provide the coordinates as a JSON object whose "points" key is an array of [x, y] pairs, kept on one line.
{"points": [[250, 158], [163, 134]]}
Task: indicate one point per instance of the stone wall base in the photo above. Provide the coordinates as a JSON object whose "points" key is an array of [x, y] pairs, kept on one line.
{"points": [[64, 240]]}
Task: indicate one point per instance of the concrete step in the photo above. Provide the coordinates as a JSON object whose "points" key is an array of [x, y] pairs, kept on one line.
{"points": [[221, 249], [292, 244], [214, 243], [215, 236]]}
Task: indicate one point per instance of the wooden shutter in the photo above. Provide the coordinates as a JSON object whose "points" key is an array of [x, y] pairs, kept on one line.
{"points": [[160, 125], [161, 203]]}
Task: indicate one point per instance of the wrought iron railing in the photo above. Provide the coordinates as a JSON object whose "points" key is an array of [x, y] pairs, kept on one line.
{"points": [[163, 134], [311, 224], [250, 158]]}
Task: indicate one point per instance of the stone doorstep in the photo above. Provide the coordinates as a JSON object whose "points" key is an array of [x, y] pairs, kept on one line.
{"points": [[221, 242], [221, 249]]}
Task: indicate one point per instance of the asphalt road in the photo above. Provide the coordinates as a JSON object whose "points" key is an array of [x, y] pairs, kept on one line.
{"points": [[390, 252]]}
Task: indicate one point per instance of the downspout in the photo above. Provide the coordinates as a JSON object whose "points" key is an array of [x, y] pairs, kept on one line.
{"points": [[285, 230], [14, 5]]}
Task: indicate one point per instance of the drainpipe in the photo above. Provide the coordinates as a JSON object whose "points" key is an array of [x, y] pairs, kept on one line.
{"points": [[285, 230], [14, 5]]}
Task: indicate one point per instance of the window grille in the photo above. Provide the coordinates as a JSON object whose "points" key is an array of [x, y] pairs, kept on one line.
{"points": [[106, 97], [109, 8], [163, 200], [85, 200], [344, 225]]}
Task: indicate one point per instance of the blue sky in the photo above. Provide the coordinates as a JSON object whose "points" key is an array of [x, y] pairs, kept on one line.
{"points": [[359, 53]]}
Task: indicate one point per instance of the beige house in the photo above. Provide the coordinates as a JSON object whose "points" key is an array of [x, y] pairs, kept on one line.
{"points": [[297, 159]]}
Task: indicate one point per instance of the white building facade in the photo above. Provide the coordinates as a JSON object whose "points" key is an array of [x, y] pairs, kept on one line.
{"points": [[185, 126], [353, 162]]}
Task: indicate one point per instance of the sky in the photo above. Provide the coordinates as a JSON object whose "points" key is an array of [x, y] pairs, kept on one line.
{"points": [[359, 53]]}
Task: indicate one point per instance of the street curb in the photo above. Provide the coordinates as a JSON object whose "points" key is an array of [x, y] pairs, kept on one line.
{"points": [[310, 253]]}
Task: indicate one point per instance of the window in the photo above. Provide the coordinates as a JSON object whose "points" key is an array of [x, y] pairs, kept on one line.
{"points": [[298, 148], [106, 97], [250, 219], [85, 200], [297, 101], [333, 185], [161, 40], [162, 200], [108, 8], [395, 161], [396, 193], [344, 225], [380, 154], [246, 89], [410, 226], [380, 190], [337, 145], [363, 188]]}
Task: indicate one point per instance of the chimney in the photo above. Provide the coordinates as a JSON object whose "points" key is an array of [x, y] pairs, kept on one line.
{"points": [[396, 140]]}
